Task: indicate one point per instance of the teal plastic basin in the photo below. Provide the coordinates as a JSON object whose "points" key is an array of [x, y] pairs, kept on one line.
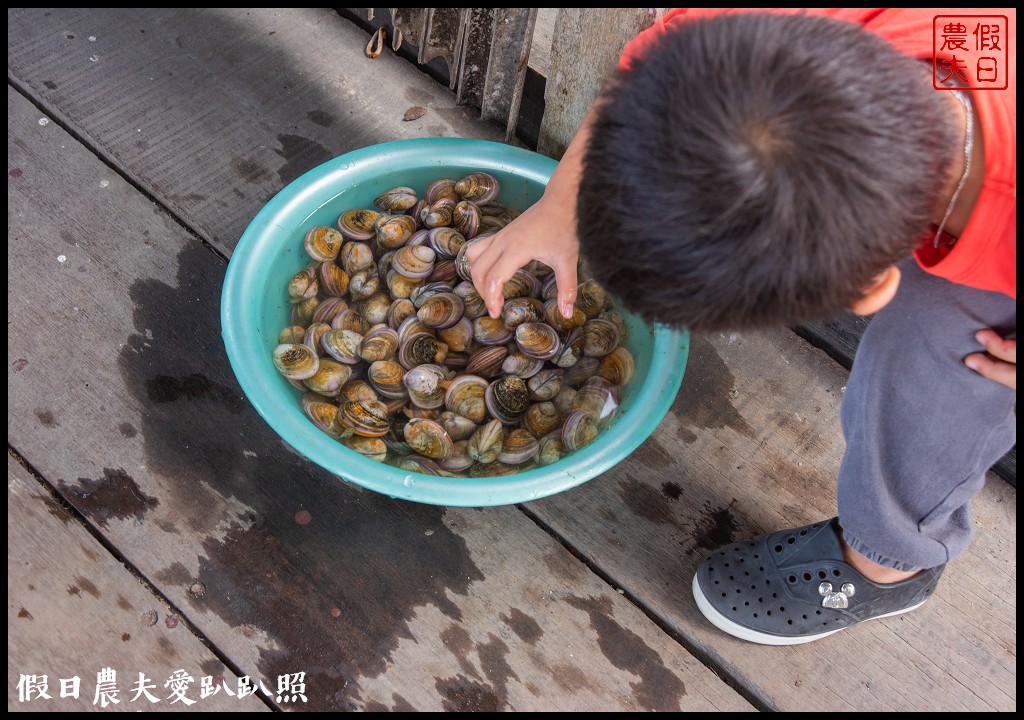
{"points": [[254, 308]]}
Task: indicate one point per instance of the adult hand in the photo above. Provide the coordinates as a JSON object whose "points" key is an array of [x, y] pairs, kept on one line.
{"points": [[546, 231], [999, 362]]}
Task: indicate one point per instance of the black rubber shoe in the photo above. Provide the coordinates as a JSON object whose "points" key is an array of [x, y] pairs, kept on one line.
{"points": [[793, 587]]}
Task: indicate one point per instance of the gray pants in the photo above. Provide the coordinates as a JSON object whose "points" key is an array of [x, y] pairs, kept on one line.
{"points": [[921, 428]]}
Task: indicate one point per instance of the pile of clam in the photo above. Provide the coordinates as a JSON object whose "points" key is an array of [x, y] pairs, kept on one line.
{"points": [[397, 358]]}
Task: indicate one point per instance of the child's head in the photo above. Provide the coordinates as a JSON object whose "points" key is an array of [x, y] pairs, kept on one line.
{"points": [[760, 169]]}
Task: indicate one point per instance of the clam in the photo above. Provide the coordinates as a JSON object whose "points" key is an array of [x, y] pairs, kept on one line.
{"points": [[545, 384], [563, 400], [521, 365], [459, 459], [385, 376], [374, 309], [455, 360], [303, 285], [342, 345], [466, 218], [542, 418], [572, 348], [428, 438], [313, 335], [441, 311], [521, 284], [370, 447], [356, 256], [480, 187], [490, 331], [485, 444], [494, 469], [598, 402], [358, 224], [398, 311], [420, 348], [549, 289], [507, 399], [591, 298], [576, 375], [396, 200], [442, 188], [401, 286], [327, 308], [578, 430], [462, 259], [615, 318], [518, 447], [465, 397], [364, 283], [428, 290], [538, 340], [296, 361], [322, 414], [420, 464], [457, 426], [551, 448], [333, 279], [392, 231], [323, 243], [426, 385], [618, 366], [368, 418], [444, 271], [358, 389], [410, 326], [420, 237], [553, 316], [350, 320], [302, 311], [446, 242], [380, 343], [487, 361], [292, 335], [416, 262], [438, 214], [458, 337], [521, 310], [600, 337], [475, 306]]}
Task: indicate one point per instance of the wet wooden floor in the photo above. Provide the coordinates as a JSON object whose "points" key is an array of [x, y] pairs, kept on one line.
{"points": [[157, 526]]}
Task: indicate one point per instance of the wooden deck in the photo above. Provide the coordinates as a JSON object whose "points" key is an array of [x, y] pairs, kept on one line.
{"points": [[156, 524]]}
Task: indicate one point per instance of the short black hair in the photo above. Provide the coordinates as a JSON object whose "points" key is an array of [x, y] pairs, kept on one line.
{"points": [[758, 169]]}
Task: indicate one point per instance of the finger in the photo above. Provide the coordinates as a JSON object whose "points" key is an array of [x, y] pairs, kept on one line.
{"points": [[499, 273], [1002, 372], [565, 279], [997, 346], [479, 247]]}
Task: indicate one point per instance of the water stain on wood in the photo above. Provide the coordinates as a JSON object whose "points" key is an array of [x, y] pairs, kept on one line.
{"points": [[55, 509], [457, 641], [647, 501], [74, 590], [25, 614], [123, 603], [671, 490], [127, 429], [703, 402], [114, 496], [46, 418], [250, 170], [50, 84], [460, 694], [125, 637], [715, 527], [87, 586], [175, 574], [659, 688], [528, 629], [262, 571], [493, 656], [321, 118], [300, 154]]}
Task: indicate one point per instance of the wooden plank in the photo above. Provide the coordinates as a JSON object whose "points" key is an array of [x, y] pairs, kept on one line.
{"points": [[753, 444], [543, 36], [506, 66], [73, 610], [259, 97], [121, 396], [589, 43]]}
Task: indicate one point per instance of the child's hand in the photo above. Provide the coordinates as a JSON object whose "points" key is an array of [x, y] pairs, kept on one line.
{"points": [[999, 363], [546, 231]]}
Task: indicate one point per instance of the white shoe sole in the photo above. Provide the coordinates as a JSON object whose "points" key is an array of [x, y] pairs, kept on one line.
{"points": [[726, 625]]}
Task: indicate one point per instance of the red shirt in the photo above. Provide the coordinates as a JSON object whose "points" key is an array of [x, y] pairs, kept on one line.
{"points": [[985, 255]]}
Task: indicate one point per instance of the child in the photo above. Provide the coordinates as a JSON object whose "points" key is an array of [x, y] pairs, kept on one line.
{"points": [[752, 169]]}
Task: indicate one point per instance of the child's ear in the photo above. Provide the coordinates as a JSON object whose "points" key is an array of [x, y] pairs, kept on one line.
{"points": [[879, 293]]}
